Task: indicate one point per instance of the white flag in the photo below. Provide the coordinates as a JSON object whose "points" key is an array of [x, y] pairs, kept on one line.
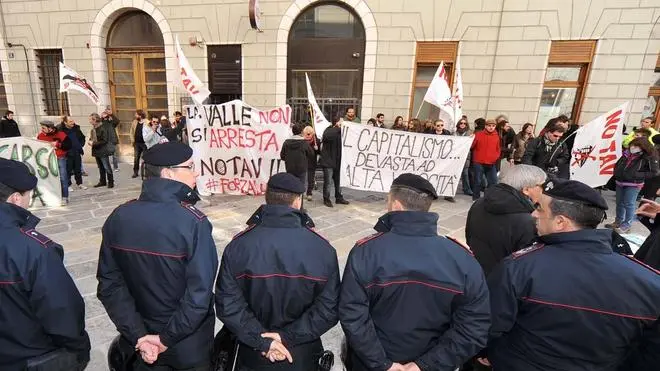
{"points": [[457, 96], [597, 148], [71, 80], [320, 122], [191, 83], [439, 93]]}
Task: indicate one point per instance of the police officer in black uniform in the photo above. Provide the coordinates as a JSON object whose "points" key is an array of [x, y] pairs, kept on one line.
{"points": [[411, 299], [157, 266], [278, 286], [42, 315], [568, 302]]}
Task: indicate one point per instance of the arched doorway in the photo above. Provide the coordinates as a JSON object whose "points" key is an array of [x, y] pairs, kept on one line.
{"points": [[326, 41], [136, 70]]}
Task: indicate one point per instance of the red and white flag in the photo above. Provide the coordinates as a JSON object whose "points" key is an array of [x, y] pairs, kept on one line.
{"points": [[439, 93], [191, 83], [320, 122]]}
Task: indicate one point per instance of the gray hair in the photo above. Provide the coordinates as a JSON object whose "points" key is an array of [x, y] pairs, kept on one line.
{"points": [[522, 176], [95, 116]]}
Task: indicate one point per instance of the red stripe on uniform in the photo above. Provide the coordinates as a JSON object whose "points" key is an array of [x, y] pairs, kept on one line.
{"points": [[409, 282], [281, 275], [593, 310], [175, 256], [10, 282]]}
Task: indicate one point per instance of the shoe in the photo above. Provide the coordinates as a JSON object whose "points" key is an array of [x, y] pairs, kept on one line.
{"points": [[111, 185], [614, 225], [134, 175], [81, 187], [84, 173], [309, 198], [467, 193], [341, 201], [70, 189], [450, 199], [65, 201], [116, 170], [327, 203], [622, 230], [99, 185]]}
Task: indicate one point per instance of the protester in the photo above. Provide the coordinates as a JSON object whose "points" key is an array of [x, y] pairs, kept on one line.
{"points": [[310, 136], [520, 141], [380, 120], [416, 126], [408, 293], [561, 120], [479, 124], [350, 116], [180, 125], [509, 206], [485, 154], [507, 138], [137, 139], [372, 122], [42, 316], [646, 123], [438, 128], [169, 132], [62, 144], [110, 119], [296, 154], [399, 124], [331, 162], [548, 152], [74, 155], [102, 149], [463, 130], [157, 265], [637, 164], [568, 302], [9, 126], [569, 136], [649, 252], [151, 133], [278, 286], [429, 127]]}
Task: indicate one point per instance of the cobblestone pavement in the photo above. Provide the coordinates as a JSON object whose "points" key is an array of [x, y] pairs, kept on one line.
{"points": [[78, 228]]}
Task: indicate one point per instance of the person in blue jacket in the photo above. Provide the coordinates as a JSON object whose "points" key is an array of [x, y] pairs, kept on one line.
{"points": [[410, 299], [568, 302], [42, 315], [278, 286], [157, 265]]}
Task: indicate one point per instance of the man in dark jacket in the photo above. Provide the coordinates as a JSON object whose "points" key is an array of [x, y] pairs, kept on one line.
{"points": [[102, 149], [411, 299], [557, 305], [111, 120], [295, 153], [501, 222], [548, 152], [157, 265], [42, 315], [74, 155], [8, 126], [331, 162], [278, 287]]}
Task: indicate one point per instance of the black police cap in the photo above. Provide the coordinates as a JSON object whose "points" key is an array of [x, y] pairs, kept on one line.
{"points": [[417, 183], [574, 191], [167, 154], [285, 183], [16, 175]]}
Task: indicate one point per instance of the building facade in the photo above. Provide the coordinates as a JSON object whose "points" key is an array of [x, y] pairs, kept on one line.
{"points": [[528, 59]]}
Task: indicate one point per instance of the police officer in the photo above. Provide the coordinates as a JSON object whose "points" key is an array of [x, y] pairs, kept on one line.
{"points": [[411, 299], [278, 286], [42, 315], [157, 265], [568, 302]]}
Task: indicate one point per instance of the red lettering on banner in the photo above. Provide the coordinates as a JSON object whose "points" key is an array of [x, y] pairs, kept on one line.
{"points": [[607, 159], [276, 116], [241, 137], [186, 82], [611, 125], [237, 185]]}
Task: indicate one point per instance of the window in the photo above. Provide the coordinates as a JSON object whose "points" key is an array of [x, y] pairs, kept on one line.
{"points": [[55, 103], [135, 29], [4, 106], [428, 58], [565, 80]]}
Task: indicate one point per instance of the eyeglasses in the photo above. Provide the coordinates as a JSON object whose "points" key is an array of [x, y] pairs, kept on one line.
{"points": [[190, 167]]}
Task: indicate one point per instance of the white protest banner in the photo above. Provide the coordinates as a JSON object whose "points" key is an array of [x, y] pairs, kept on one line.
{"points": [[372, 158], [236, 148], [71, 80], [320, 122], [597, 147], [191, 83], [40, 158]]}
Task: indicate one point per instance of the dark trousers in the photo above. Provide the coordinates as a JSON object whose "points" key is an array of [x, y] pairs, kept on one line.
{"points": [[59, 360], [74, 167], [303, 179], [305, 358], [138, 150], [139, 365], [491, 176], [329, 173], [105, 170], [311, 177]]}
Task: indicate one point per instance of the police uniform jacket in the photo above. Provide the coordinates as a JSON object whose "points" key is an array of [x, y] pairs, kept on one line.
{"points": [[409, 295], [41, 309], [156, 269], [570, 303], [278, 276]]}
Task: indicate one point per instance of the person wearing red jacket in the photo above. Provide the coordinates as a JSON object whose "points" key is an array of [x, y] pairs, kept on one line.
{"points": [[485, 154], [62, 144]]}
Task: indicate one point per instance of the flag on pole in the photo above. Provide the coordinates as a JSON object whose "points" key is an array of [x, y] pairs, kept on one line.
{"points": [[320, 122], [438, 93], [457, 96], [71, 80], [597, 148], [191, 83]]}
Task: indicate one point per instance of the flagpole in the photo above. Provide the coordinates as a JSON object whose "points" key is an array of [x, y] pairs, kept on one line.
{"points": [[419, 110]]}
